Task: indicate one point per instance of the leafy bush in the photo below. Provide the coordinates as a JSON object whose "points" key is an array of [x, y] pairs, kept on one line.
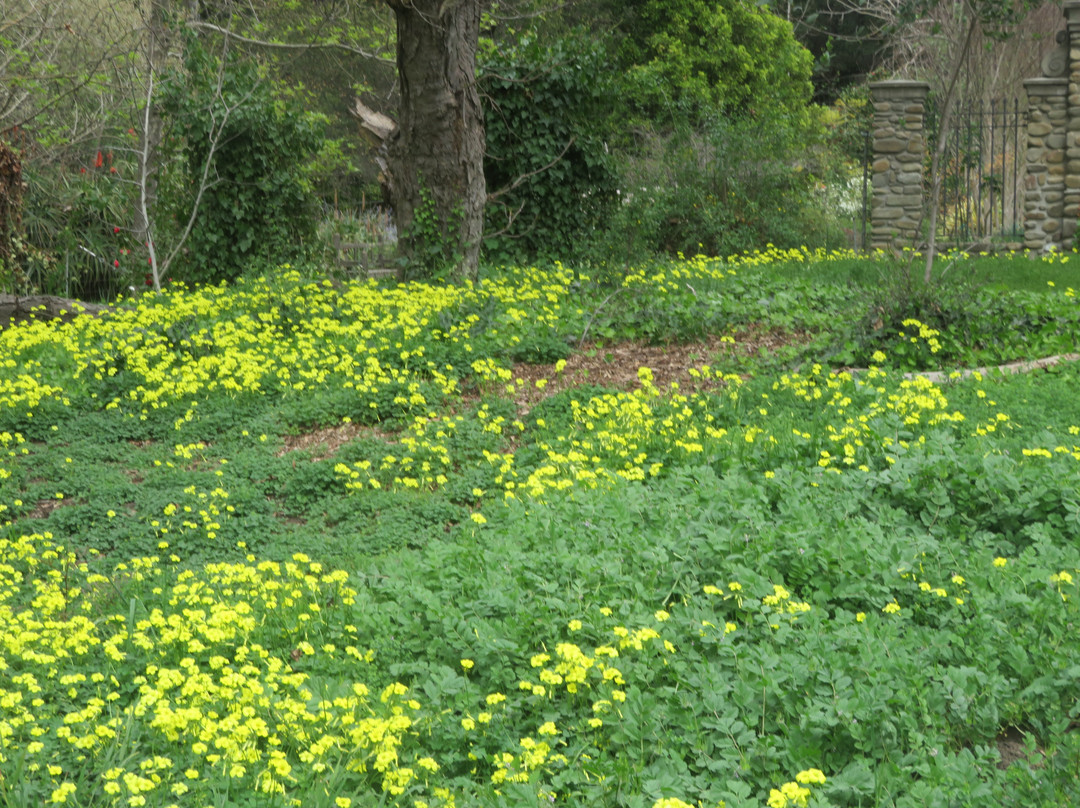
{"points": [[693, 58], [243, 154], [546, 163], [78, 226], [736, 184]]}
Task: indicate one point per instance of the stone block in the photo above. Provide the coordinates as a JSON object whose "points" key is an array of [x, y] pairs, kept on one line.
{"points": [[1051, 226], [1052, 156], [1039, 129], [883, 213], [1055, 141], [881, 165], [889, 145]]}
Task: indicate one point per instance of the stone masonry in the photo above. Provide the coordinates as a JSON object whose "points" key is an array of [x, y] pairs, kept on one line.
{"points": [[1051, 193], [899, 149], [1071, 206], [1044, 183]]}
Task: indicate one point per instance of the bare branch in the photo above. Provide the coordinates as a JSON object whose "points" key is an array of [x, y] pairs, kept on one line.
{"points": [[511, 217], [495, 195], [265, 43]]}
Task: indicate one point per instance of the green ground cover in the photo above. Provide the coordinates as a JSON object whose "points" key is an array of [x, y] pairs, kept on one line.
{"points": [[294, 543]]}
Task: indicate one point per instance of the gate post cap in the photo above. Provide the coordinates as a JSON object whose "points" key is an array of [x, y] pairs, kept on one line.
{"points": [[905, 88]]}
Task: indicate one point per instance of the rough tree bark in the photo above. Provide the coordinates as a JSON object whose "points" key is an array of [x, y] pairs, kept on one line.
{"points": [[436, 154]]}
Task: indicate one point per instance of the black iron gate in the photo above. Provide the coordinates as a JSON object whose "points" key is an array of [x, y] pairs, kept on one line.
{"points": [[983, 172]]}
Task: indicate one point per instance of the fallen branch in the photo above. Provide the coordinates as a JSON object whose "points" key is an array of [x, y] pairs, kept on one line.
{"points": [[938, 376], [1010, 368]]}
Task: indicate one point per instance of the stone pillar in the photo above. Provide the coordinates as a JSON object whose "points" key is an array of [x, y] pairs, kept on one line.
{"points": [[899, 153], [1071, 206], [1044, 183]]}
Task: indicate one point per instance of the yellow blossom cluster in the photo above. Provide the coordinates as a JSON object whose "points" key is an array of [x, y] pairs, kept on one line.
{"points": [[207, 682]]}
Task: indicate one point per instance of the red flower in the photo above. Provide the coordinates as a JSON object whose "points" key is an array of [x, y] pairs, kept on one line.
{"points": [[116, 263], [115, 230], [100, 161]]}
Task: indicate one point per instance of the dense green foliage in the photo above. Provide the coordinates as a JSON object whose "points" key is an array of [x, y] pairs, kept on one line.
{"points": [[280, 542], [244, 153], [546, 164], [693, 57], [730, 185]]}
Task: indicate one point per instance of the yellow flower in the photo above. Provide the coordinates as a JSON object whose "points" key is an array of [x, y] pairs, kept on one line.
{"points": [[574, 625], [1000, 562], [479, 518], [60, 794], [891, 608], [467, 664]]}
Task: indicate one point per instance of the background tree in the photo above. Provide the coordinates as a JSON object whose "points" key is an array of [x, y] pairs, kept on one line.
{"points": [[436, 152], [695, 56]]}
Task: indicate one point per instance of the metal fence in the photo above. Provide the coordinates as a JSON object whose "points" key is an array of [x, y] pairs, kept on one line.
{"points": [[982, 173]]}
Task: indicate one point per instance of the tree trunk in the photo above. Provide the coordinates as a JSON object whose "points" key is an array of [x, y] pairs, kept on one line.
{"points": [[436, 156]]}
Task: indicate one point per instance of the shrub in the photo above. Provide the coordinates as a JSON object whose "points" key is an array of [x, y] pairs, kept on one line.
{"points": [[243, 154], [546, 162], [727, 188]]}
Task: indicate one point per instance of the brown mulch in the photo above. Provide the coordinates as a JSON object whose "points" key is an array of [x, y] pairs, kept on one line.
{"points": [[617, 365], [1011, 748], [43, 507], [325, 442], [614, 366]]}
